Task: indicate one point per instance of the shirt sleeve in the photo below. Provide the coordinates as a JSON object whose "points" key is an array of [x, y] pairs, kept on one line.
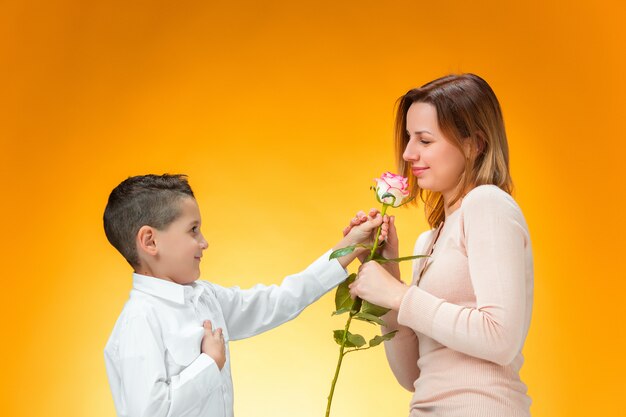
{"points": [[261, 308], [144, 388], [496, 238]]}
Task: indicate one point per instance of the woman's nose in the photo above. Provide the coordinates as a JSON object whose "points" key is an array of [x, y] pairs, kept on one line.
{"points": [[410, 153]]}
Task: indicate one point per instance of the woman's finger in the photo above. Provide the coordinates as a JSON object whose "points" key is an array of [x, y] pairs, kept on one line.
{"points": [[392, 232], [352, 291]]}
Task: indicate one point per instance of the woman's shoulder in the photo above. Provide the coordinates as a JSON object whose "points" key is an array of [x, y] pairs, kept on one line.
{"points": [[488, 197], [491, 203]]}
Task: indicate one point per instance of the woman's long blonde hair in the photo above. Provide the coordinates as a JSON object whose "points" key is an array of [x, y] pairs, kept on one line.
{"points": [[467, 109]]}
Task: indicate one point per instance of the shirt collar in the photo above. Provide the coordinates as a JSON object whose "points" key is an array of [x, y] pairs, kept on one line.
{"points": [[167, 290]]}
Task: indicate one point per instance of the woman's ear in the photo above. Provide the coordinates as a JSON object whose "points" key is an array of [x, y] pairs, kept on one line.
{"points": [[146, 242], [474, 146], [480, 143]]}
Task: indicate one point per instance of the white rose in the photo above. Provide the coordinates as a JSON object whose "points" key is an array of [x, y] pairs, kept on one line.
{"points": [[393, 184]]}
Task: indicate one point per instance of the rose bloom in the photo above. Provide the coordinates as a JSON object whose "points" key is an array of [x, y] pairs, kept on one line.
{"points": [[393, 184]]}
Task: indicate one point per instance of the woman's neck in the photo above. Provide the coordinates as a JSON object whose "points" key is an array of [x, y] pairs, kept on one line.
{"points": [[449, 210], [449, 196]]}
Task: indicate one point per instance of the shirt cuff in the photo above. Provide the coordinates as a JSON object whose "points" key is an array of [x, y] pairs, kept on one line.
{"points": [[205, 371], [329, 272], [418, 309]]}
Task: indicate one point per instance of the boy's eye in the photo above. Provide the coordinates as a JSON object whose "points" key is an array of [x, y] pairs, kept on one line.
{"points": [[194, 229]]}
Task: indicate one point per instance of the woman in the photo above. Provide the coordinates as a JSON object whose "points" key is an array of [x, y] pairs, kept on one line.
{"points": [[463, 320]]}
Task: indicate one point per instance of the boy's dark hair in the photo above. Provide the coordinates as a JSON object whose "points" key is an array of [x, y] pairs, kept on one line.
{"points": [[144, 200]]}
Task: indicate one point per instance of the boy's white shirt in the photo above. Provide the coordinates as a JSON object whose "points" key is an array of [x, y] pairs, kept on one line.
{"points": [[153, 359]]}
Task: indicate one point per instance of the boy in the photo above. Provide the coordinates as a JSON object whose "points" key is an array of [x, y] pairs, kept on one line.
{"points": [[168, 352]]}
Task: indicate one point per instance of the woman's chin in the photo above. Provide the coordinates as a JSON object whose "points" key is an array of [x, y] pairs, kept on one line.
{"points": [[424, 184]]}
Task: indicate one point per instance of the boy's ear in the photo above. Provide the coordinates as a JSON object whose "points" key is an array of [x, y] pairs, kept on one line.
{"points": [[146, 240]]}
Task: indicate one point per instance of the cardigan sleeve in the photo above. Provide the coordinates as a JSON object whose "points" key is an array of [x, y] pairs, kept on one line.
{"points": [[403, 350], [496, 238]]}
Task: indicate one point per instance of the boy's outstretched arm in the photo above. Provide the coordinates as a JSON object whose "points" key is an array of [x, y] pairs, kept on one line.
{"points": [[261, 308], [139, 381]]}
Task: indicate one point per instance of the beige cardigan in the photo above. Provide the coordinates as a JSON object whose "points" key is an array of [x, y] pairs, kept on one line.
{"points": [[461, 326]]}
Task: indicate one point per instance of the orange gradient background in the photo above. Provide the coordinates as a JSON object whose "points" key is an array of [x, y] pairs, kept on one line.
{"points": [[281, 113]]}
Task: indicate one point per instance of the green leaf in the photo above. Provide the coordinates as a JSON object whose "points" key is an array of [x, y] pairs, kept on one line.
{"points": [[382, 260], [370, 318], [352, 340], [390, 335], [407, 201], [347, 250], [356, 306], [373, 309], [376, 193], [378, 257], [338, 335], [356, 339], [393, 199], [342, 252], [377, 340], [342, 295], [341, 311]]}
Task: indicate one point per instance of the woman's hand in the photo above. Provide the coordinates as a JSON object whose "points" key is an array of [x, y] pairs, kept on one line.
{"points": [[376, 285], [390, 249]]}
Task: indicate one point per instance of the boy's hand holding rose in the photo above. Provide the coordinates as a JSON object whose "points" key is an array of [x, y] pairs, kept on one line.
{"points": [[389, 235], [362, 233]]}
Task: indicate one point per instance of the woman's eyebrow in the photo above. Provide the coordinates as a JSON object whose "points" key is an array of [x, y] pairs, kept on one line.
{"points": [[419, 132]]}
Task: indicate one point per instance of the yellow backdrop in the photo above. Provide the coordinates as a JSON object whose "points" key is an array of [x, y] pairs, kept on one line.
{"points": [[281, 113]]}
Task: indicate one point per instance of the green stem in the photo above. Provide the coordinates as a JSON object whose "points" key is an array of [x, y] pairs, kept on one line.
{"points": [[369, 258], [356, 307], [341, 355], [355, 350]]}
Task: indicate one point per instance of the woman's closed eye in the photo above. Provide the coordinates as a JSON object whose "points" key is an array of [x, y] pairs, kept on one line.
{"points": [[421, 139]]}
